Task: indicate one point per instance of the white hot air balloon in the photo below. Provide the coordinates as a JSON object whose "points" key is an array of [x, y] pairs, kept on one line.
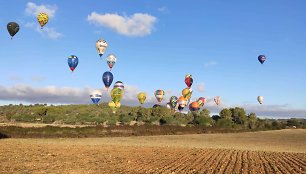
{"points": [[101, 46], [96, 96], [111, 60], [217, 100], [260, 99]]}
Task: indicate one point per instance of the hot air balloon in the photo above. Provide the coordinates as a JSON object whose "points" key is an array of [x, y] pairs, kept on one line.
{"points": [[217, 100], [111, 60], [187, 93], [168, 105], [159, 94], [260, 99], [101, 46], [73, 62], [156, 106], [119, 84], [141, 97], [116, 95], [188, 80], [201, 101], [12, 28], [194, 106], [96, 96], [42, 19], [261, 58], [182, 102], [113, 106], [173, 102], [107, 79]]}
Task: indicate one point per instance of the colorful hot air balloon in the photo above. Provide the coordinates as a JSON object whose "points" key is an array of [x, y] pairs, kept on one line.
{"points": [[194, 106], [173, 102], [42, 19], [188, 80], [73, 62], [101, 46], [260, 99], [119, 84], [96, 96], [168, 105], [12, 28], [107, 79], [182, 102], [261, 58], [111, 60], [159, 94], [116, 95], [141, 97], [187, 93], [113, 106], [217, 100], [201, 101]]}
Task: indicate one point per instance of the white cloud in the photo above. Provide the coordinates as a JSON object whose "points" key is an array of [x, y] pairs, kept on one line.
{"points": [[163, 9], [38, 78], [64, 95], [200, 87], [45, 32], [139, 24], [33, 9], [16, 78], [211, 63]]}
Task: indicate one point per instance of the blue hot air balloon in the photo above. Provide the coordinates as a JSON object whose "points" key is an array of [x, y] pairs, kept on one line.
{"points": [[96, 96], [73, 62], [261, 58], [107, 79]]}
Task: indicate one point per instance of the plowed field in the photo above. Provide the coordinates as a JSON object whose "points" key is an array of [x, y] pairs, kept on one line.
{"points": [[159, 154]]}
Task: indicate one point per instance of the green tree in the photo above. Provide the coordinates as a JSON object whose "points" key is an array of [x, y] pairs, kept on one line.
{"points": [[226, 113], [252, 120]]}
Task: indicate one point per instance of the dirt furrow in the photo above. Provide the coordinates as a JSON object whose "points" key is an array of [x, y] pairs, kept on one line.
{"points": [[209, 167]]}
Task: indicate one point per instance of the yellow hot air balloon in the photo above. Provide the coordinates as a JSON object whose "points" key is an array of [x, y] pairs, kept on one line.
{"points": [[116, 94], [187, 93], [142, 97], [42, 19], [114, 106]]}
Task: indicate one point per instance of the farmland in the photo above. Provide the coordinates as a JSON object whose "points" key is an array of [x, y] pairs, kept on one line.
{"points": [[282, 151]]}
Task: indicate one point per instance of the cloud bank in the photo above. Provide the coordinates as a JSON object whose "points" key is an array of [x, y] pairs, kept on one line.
{"points": [[70, 95], [138, 24]]}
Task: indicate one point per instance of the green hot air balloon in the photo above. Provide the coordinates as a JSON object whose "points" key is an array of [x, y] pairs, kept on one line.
{"points": [[12, 28]]}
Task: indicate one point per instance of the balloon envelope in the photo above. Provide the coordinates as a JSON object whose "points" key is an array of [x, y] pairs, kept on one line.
{"points": [[159, 94], [187, 93], [119, 84], [194, 106], [111, 60], [173, 101], [12, 28], [260, 99], [114, 106], [73, 62], [142, 97], [116, 95], [217, 100], [101, 46], [42, 19], [201, 101], [261, 58], [96, 96], [188, 80], [107, 78]]}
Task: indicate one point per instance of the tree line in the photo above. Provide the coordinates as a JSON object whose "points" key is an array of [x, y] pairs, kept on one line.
{"points": [[228, 118]]}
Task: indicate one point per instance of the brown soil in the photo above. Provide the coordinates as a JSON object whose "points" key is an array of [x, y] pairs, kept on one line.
{"points": [[158, 154]]}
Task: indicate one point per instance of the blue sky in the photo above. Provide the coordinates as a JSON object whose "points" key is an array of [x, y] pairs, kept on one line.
{"points": [[157, 43]]}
